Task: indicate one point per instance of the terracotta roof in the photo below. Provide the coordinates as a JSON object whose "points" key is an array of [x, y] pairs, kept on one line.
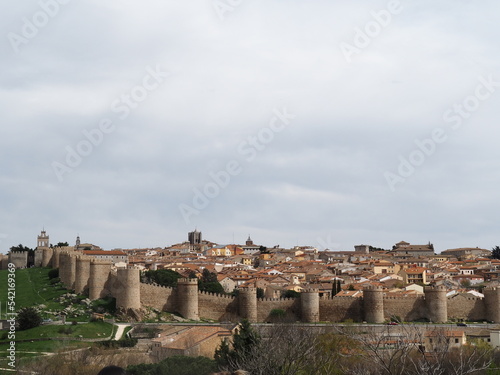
{"points": [[104, 252], [415, 270]]}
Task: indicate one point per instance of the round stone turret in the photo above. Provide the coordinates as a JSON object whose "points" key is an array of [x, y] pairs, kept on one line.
{"points": [[55, 258], [373, 304], [47, 256], [71, 271], [187, 298], [128, 288], [437, 304], [82, 274], [247, 304], [64, 268], [99, 275], [309, 304], [492, 304]]}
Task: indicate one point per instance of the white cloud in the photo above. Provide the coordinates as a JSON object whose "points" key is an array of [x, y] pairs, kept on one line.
{"points": [[323, 177]]}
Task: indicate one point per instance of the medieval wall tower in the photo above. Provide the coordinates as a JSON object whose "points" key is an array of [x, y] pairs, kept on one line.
{"points": [[55, 258], [373, 303], [72, 270], [19, 258], [247, 302], [43, 252], [98, 282], [437, 304], [47, 256], [82, 274], [127, 288], [492, 301], [64, 267], [187, 298], [309, 305]]}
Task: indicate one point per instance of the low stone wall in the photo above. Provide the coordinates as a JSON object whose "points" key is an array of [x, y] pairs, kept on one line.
{"points": [[217, 307], [408, 308], [462, 307], [158, 297], [340, 309], [265, 306]]}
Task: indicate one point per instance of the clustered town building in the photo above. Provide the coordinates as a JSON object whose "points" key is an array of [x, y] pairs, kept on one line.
{"points": [[408, 282]]}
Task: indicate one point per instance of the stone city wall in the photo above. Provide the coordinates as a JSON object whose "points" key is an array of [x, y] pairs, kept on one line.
{"points": [[217, 307], [462, 307], [158, 297], [82, 273], [340, 309], [291, 306], [409, 308]]}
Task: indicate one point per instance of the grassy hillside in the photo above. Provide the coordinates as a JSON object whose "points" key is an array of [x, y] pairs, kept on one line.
{"points": [[32, 288]]}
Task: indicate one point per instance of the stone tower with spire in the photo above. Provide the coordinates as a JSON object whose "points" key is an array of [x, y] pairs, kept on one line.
{"points": [[43, 252], [249, 241]]}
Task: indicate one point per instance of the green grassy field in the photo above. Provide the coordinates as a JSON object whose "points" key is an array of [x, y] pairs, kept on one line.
{"points": [[34, 349], [32, 288], [93, 330]]}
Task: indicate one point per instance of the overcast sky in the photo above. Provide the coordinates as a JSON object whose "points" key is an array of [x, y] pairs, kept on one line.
{"points": [[322, 123]]}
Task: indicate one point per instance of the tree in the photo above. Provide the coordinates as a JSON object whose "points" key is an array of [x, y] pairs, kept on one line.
{"points": [[62, 244], [215, 288], [208, 277], [208, 283], [245, 342], [176, 365], [336, 287], [290, 294], [465, 283], [284, 349], [222, 355], [245, 339], [28, 318], [264, 250], [162, 277], [53, 273], [495, 252], [20, 247], [380, 352]]}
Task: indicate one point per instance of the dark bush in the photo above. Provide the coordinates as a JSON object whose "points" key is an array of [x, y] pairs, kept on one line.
{"points": [[28, 318], [54, 273]]}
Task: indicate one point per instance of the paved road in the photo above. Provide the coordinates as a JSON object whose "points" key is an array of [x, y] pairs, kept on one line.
{"points": [[120, 330]]}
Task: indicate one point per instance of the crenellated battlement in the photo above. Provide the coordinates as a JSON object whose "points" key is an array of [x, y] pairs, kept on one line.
{"points": [[311, 290], [187, 281], [216, 295], [100, 261], [374, 288], [412, 296]]}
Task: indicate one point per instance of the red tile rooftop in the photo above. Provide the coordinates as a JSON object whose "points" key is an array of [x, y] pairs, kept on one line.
{"points": [[104, 252]]}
